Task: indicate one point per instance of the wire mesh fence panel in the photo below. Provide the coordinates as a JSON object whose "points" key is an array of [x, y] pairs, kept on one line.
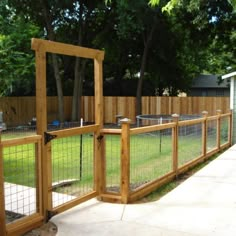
{"points": [[224, 130], [20, 181], [146, 120], [211, 135], [150, 157], [113, 164], [189, 143], [18, 132], [29, 129], [72, 168]]}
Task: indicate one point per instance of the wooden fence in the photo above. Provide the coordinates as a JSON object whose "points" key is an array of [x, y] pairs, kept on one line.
{"points": [[20, 110], [134, 175], [206, 136]]}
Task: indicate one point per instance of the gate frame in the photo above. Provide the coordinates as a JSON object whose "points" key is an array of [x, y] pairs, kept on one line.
{"points": [[41, 47]]}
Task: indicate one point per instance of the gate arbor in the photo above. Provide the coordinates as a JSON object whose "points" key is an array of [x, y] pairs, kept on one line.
{"points": [[49, 206]]}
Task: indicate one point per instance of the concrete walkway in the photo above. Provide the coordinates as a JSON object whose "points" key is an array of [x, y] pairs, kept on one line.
{"points": [[205, 204]]}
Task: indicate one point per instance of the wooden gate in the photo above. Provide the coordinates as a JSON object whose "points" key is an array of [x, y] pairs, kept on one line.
{"points": [[71, 174]]}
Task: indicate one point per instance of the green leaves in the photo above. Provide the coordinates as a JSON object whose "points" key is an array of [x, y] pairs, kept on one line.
{"points": [[16, 57], [170, 6], [233, 3], [154, 3]]}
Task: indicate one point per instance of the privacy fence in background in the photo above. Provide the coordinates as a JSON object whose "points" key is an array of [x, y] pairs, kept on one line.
{"points": [[20, 110]]}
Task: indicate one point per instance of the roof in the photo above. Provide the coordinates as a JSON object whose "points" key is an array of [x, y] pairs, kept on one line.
{"points": [[232, 74], [209, 81]]}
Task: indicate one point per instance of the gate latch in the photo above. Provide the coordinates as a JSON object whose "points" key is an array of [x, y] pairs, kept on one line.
{"points": [[48, 137]]}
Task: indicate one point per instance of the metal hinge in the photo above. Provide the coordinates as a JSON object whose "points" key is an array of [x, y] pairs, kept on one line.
{"points": [[99, 138], [48, 137], [50, 214]]}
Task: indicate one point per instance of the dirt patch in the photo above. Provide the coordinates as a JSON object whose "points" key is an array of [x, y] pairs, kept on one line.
{"points": [[49, 229], [12, 216]]}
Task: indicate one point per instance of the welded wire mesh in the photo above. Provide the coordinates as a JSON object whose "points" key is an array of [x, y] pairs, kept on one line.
{"points": [[56, 125], [146, 120], [20, 181], [28, 130], [150, 157], [113, 164], [211, 135], [189, 143], [18, 132], [72, 167], [224, 130]]}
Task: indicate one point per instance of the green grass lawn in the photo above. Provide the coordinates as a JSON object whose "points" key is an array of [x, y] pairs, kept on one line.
{"points": [[163, 190]]}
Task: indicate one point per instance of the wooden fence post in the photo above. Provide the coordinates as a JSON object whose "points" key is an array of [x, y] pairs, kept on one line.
{"points": [[204, 133], [175, 135], [99, 152], [125, 160], [41, 115], [218, 141], [230, 124], [2, 195]]}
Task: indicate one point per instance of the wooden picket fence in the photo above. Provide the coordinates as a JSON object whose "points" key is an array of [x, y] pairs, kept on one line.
{"points": [[20, 110]]}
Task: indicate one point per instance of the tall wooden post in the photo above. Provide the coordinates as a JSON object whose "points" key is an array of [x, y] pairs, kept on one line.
{"points": [[41, 115], [125, 160], [99, 152], [218, 135], [230, 125], [175, 136], [204, 133], [2, 195]]}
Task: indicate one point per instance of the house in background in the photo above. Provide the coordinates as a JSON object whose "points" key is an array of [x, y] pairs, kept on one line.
{"points": [[209, 86]]}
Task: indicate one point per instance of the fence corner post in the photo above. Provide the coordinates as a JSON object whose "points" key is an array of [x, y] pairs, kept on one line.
{"points": [[125, 160], [175, 135], [218, 112], [204, 133], [230, 122], [2, 198]]}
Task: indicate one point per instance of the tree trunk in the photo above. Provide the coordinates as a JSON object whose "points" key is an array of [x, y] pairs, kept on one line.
{"points": [[81, 87], [51, 36], [78, 72], [147, 45], [74, 113], [78, 88], [140, 82], [59, 88]]}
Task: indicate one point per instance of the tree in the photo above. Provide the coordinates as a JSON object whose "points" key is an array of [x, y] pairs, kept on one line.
{"points": [[166, 45], [60, 19], [214, 24], [16, 58], [81, 17], [136, 20], [221, 53]]}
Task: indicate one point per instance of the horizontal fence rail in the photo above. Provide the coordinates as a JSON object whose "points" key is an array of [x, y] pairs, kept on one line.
{"points": [[18, 111]]}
